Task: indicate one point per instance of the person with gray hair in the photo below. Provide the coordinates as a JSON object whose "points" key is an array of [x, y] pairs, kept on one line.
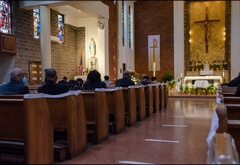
{"points": [[125, 81], [50, 86], [16, 84]]}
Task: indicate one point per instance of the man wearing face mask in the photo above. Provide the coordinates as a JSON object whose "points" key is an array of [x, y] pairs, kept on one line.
{"points": [[16, 84]]}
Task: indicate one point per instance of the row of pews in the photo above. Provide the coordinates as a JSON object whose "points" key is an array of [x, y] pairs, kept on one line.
{"points": [[43, 129], [224, 136]]}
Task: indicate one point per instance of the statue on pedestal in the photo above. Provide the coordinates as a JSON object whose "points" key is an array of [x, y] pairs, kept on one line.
{"points": [[92, 50]]}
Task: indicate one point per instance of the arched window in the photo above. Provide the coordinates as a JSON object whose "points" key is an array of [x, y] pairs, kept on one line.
{"points": [[60, 28], [5, 17], [36, 23]]}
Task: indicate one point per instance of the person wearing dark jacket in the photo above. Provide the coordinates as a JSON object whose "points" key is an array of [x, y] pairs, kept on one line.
{"points": [[16, 84], [93, 81], [125, 81], [50, 86], [235, 81]]}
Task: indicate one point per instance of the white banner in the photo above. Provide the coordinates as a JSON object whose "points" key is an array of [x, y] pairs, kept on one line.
{"points": [[154, 53]]}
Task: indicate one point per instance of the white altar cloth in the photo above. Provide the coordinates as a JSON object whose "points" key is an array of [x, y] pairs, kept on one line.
{"points": [[215, 78]]}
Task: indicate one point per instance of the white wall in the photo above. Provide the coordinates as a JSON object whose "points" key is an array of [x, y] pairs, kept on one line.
{"points": [[7, 63]]}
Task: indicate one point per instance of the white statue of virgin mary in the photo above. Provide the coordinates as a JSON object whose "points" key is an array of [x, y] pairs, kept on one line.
{"points": [[92, 47]]}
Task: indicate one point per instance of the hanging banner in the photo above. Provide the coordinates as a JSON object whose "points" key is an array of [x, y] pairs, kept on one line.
{"points": [[154, 53]]}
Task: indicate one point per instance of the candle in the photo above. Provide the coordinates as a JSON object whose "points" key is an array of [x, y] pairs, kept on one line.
{"points": [[181, 75], [223, 73]]}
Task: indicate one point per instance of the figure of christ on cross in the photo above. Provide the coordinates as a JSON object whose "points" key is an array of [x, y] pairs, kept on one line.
{"points": [[206, 25]]}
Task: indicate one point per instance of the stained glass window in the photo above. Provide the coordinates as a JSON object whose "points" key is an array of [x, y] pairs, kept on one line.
{"points": [[36, 23], [123, 24], [60, 28], [5, 17], [130, 28]]}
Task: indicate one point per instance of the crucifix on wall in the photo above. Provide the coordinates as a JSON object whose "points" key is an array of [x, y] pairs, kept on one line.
{"points": [[206, 23]]}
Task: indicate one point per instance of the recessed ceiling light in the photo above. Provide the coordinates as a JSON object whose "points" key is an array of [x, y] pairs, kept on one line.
{"points": [[79, 10]]}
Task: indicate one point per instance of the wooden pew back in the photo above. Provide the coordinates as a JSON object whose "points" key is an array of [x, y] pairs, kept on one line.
{"points": [[116, 108], [28, 121], [96, 107], [129, 95], [231, 100], [141, 103], [149, 100], [156, 101], [68, 113]]}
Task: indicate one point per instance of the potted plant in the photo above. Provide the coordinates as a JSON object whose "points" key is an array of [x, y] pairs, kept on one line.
{"points": [[167, 77]]}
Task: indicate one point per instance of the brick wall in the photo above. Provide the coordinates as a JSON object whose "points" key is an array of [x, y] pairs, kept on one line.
{"points": [[64, 56], [154, 18], [81, 46], [28, 48], [113, 38]]}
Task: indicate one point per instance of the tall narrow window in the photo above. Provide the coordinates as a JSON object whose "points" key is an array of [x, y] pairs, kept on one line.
{"points": [[130, 27], [60, 28], [5, 17], [123, 23], [36, 23]]}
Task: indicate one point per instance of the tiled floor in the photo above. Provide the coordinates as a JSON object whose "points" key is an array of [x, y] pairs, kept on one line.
{"points": [[176, 135]]}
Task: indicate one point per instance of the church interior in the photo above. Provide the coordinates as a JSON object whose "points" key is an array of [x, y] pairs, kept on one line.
{"points": [[190, 47]]}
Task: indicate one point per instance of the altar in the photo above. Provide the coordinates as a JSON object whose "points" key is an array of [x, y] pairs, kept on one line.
{"points": [[214, 79], [224, 74]]}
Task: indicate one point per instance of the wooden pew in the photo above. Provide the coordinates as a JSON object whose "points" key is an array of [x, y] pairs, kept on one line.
{"points": [[149, 99], [141, 102], [69, 122], [116, 109], [26, 123], [156, 98], [161, 95], [228, 91], [233, 111], [228, 125], [220, 140], [129, 95], [165, 89], [231, 100], [97, 115]]}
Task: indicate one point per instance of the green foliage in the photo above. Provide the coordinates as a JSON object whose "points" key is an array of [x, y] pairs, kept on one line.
{"points": [[186, 88], [167, 77]]}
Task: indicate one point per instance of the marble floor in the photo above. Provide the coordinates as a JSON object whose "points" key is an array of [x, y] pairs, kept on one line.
{"points": [[175, 135]]}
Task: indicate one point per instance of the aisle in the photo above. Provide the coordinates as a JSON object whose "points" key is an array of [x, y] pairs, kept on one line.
{"points": [[176, 135]]}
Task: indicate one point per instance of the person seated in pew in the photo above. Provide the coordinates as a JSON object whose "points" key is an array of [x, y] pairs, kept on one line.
{"points": [[154, 80], [50, 86], [145, 80], [64, 80], [125, 81], [16, 84], [107, 81], [234, 82], [237, 93], [77, 85], [93, 81]]}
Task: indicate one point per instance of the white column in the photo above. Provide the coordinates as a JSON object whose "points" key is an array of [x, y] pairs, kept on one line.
{"points": [[235, 39], [178, 38], [102, 47], [45, 41]]}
